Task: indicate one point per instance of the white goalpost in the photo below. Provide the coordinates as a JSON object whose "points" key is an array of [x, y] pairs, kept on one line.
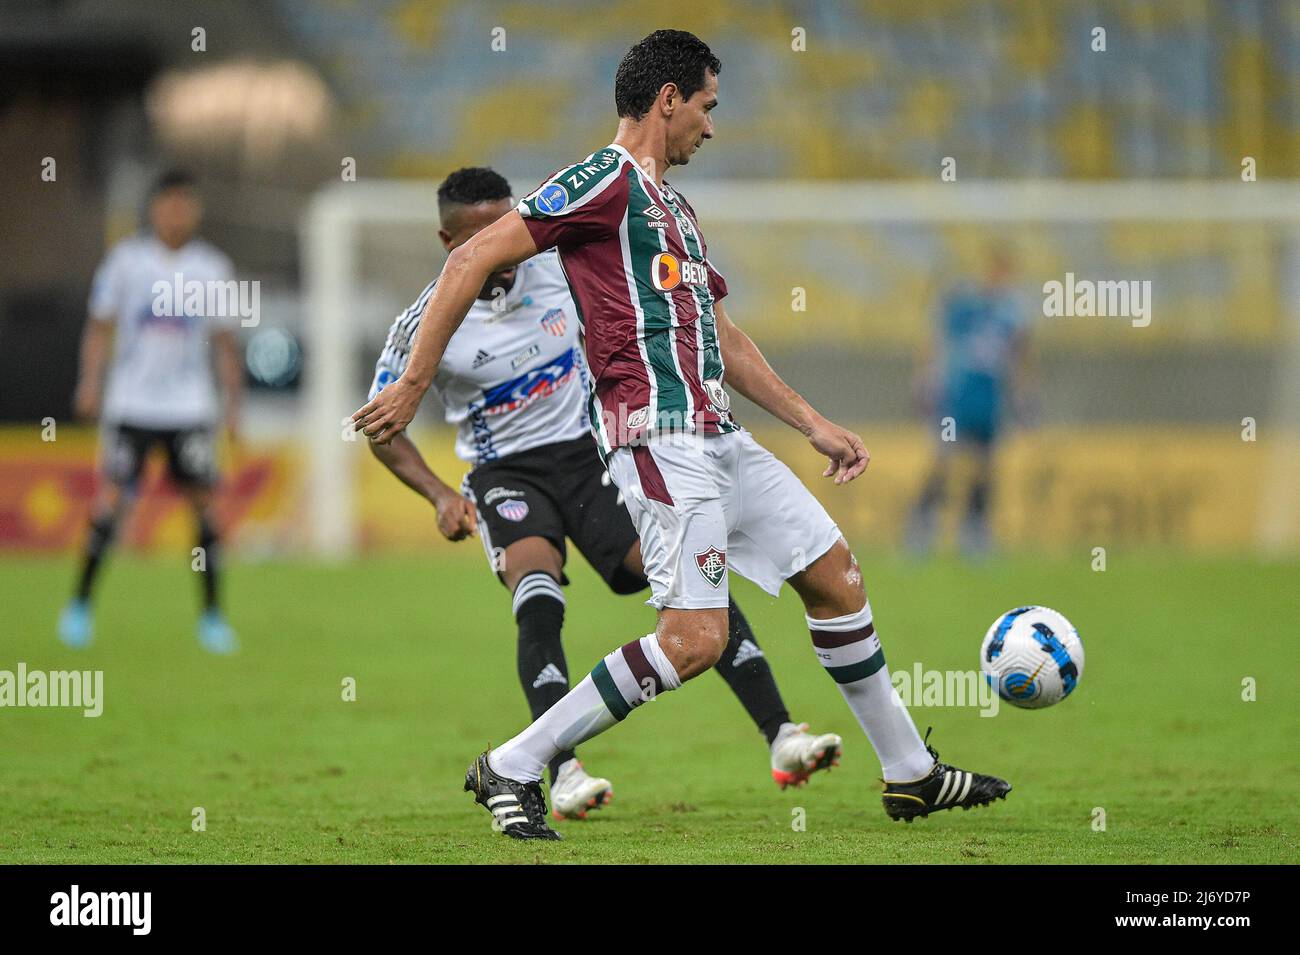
{"points": [[353, 283]]}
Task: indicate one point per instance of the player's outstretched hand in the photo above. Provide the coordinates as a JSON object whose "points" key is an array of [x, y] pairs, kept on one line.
{"points": [[457, 517], [388, 413], [848, 456]]}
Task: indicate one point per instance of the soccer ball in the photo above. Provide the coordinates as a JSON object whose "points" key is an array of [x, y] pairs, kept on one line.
{"points": [[1033, 657]]}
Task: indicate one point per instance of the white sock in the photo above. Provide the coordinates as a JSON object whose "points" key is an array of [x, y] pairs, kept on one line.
{"points": [[625, 679], [850, 651]]}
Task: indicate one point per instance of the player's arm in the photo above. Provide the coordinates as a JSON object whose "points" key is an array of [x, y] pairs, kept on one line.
{"points": [[96, 340], [230, 376], [505, 243], [456, 516], [750, 374]]}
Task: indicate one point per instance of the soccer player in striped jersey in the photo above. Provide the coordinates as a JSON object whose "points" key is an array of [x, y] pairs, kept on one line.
{"points": [[160, 389], [514, 382], [704, 495]]}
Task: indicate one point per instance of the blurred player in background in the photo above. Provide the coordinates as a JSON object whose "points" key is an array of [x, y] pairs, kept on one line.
{"points": [[514, 382], [705, 496], [974, 371], [160, 390]]}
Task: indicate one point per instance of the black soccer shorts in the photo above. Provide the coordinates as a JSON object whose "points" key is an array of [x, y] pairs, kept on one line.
{"points": [[191, 454], [556, 491]]}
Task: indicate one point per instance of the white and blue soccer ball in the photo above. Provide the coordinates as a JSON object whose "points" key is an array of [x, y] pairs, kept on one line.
{"points": [[1032, 656]]}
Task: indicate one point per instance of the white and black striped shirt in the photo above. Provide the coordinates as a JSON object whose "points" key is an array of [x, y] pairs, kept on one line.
{"points": [[513, 376]]}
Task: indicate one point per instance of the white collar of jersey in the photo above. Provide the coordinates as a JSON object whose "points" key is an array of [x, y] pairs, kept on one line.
{"points": [[664, 192], [635, 165]]}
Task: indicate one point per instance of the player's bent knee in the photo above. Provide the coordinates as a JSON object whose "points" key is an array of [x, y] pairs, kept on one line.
{"points": [[693, 640], [832, 585], [530, 555]]}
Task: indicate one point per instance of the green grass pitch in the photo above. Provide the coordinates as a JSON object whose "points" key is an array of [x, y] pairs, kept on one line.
{"points": [[1157, 735]]}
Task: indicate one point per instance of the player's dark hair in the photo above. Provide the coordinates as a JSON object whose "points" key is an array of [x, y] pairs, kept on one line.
{"points": [[472, 185], [173, 179], [665, 56]]}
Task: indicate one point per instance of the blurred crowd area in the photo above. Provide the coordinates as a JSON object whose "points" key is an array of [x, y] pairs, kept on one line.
{"points": [[271, 103], [881, 90]]}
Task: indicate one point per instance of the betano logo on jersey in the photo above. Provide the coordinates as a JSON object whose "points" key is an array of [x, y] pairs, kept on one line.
{"points": [[667, 272], [529, 387]]}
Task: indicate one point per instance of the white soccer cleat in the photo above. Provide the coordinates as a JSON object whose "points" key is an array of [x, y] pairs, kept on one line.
{"points": [[797, 754], [574, 792]]}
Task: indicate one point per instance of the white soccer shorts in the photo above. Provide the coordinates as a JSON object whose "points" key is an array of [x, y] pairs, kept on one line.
{"points": [[704, 504]]}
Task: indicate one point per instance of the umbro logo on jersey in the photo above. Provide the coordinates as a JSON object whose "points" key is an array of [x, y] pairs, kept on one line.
{"points": [[551, 674], [657, 217], [481, 359], [748, 651]]}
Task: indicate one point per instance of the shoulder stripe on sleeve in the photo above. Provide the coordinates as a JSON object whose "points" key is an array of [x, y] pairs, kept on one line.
{"points": [[573, 187], [413, 313], [397, 346]]}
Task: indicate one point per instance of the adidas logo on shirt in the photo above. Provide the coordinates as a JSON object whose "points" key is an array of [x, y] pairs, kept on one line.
{"points": [[551, 674], [748, 651], [481, 359]]}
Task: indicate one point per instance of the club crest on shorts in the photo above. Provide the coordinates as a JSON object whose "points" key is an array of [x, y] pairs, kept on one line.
{"points": [[713, 565], [513, 510]]}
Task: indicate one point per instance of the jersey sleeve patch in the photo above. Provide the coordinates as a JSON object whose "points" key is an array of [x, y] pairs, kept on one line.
{"points": [[574, 205]]}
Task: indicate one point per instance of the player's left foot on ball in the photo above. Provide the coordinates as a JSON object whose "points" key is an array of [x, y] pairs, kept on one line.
{"points": [[943, 787], [574, 792], [797, 754], [215, 634]]}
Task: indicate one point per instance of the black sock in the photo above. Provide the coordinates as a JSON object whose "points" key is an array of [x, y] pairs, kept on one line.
{"points": [[539, 613], [209, 542], [745, 669], [101, 535]]}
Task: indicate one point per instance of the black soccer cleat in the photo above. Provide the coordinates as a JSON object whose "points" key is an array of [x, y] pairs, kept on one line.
{"points": [[944, 787], [518, 809]]}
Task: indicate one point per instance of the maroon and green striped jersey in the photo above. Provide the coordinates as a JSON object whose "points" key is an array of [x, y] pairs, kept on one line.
{"points": [[639, 272]]}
